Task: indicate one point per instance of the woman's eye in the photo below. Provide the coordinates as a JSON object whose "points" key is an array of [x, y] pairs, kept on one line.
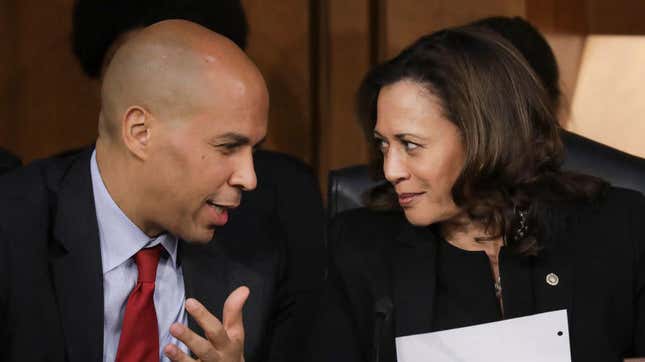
{"points": [[409, 146], [381, 144]]}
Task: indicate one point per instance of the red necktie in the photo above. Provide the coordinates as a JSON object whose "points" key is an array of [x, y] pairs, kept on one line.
{"points": [[139, 341]]}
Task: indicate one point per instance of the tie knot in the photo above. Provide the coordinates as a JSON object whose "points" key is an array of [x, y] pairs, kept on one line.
{"points": [[147, 260]]}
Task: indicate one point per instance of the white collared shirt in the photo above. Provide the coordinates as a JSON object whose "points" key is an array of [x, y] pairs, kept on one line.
{"points": [[120, 239]]}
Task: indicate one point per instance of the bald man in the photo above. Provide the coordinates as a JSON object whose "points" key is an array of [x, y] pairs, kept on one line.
{"points": [[105, 255]]}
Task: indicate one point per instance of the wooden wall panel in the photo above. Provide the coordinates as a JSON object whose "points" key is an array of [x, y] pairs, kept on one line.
{"points": [[406, 20], [279, 43], [8, 81], [313, 55], [347, 58], [616, 17], [56, 106], [608, 104], [564, 24]]}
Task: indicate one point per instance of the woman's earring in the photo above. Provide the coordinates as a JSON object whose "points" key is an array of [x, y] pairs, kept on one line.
{"points": [[522, 227]]}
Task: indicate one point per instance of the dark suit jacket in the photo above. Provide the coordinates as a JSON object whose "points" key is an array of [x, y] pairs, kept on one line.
{"points": [[597, 250], [8, 161], [51, 294]]}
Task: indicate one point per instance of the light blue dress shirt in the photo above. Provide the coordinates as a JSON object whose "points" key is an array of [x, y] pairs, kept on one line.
{"points": [[120, 239]]}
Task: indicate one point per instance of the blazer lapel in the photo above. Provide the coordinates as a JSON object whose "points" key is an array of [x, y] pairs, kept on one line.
{"points": [[75, 259], [414, 285], [553, 267], [517, 273], [553, 282]]}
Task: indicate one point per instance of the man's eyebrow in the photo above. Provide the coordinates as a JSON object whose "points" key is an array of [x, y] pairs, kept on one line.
{"points": [[238, 140], [232, 137]]}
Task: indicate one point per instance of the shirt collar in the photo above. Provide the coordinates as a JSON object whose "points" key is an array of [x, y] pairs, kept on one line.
{"points": [[119, 237]]}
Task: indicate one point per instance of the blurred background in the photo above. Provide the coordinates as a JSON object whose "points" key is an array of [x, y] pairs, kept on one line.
{"points": [[313, 54]]}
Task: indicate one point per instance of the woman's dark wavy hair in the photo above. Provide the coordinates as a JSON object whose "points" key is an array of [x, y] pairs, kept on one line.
{"points": [[508, 127]]}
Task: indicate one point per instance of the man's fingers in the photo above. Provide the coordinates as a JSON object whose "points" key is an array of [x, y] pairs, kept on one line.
{"points": [[176, 355], [198, 345], [212, 327], [232, 314], [219, 337]]}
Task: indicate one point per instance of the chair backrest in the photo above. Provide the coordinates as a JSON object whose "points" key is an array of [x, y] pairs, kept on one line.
{"points": [[348, 185], [593, 158]]}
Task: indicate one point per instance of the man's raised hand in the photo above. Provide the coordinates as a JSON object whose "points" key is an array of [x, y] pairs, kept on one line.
{"points": [[224, 342]]}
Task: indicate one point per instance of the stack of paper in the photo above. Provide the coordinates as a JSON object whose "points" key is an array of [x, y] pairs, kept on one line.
{"points": [[538, 338]]}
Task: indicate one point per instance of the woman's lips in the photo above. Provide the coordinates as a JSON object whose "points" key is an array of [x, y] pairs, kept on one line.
{"points": [[406, 198]]}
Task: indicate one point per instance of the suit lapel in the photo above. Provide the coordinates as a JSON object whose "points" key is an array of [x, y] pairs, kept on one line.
{"points": [[205, 277], [75, 259], [414, 275], [210, 276]]}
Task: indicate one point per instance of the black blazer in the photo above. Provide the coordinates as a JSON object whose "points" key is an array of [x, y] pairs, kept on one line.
{"points": [[382, 281], [51, 294]]}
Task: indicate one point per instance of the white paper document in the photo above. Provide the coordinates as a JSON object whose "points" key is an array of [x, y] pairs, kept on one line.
{"points": [[541, 337]]}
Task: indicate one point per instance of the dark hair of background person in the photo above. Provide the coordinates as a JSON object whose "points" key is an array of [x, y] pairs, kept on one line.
{"points": [[533, 46], [507, 121], [98, 24]]}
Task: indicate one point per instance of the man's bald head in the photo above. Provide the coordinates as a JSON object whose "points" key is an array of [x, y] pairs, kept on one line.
{"points": [[182, 110], [173, 69]]}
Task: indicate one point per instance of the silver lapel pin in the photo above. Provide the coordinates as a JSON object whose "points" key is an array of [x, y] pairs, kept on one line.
{"points": [[552, 279]]}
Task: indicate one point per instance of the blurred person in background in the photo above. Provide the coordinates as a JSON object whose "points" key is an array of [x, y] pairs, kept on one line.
{"points": [[581, 154]]}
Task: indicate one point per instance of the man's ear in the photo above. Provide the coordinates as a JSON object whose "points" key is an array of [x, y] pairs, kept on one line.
{"points": [[137, 131]]}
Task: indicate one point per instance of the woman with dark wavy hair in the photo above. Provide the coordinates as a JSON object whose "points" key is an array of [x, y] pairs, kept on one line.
{"points": [[480, 223]]}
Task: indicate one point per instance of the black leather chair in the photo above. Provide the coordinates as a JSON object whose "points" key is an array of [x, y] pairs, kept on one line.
{"points": [[8, 161], [347, 186]]}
